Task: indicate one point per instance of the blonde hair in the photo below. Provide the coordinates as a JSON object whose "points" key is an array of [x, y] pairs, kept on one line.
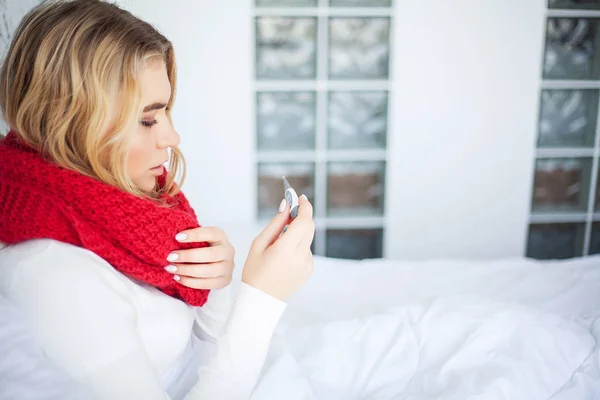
{"points": [[69, 62]]}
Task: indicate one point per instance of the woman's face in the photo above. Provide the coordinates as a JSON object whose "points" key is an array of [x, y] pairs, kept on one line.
{"points": [[155, 134]]}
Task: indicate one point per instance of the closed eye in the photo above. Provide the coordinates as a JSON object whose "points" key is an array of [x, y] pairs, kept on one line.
{"points": [[153, 107], [149, 124]]}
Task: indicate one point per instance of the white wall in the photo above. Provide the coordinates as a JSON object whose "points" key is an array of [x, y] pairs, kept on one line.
{"points": [[464, 127]]}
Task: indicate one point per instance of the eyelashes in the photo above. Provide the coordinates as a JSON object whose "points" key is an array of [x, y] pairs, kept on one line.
{"points": [[150, 124]]}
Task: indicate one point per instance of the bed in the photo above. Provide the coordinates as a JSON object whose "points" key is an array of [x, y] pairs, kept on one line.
{"points": [[441, 329], [513, 328]]}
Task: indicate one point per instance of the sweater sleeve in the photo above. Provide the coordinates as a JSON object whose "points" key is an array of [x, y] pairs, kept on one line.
{"points": [[211, 317], [85, 323], [241, 347]]}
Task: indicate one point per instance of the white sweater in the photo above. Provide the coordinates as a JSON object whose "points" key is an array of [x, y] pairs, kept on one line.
{"points": [[118, 336]]}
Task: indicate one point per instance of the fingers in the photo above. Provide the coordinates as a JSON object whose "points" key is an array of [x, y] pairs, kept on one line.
{"points": [[302, 229], [214, 270], [208, 234], [206, 267], [305, 209], [272, 231], [201, 283], [202, 255]]}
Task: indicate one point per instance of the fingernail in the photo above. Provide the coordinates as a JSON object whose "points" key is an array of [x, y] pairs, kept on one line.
{"points": [[180, 236], [172, 257], [171, 268], [177, 277], [304, 196], [282, 205]]}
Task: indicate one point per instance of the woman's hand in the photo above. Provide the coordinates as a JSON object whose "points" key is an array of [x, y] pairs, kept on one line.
{"points": [[206, 267], [279, 265]]}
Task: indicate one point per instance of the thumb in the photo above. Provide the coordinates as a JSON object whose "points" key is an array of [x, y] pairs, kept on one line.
{"points": [[272, 231]]}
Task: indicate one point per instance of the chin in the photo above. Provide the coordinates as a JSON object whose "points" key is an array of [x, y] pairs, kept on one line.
{"points": [[147, 184], [151, 186]]}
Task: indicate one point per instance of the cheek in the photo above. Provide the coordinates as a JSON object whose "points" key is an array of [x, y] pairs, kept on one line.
{"points": [[136, 164]]}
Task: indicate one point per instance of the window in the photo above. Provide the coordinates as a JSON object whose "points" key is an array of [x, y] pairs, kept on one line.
{"points": [[321, 94], [566, 199]]}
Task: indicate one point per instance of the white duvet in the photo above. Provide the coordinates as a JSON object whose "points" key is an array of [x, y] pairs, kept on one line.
{"points": [[507, 329], [450, 348]]}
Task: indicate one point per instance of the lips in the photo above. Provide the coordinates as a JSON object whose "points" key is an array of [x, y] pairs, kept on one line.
{"points": [[159, 165]]}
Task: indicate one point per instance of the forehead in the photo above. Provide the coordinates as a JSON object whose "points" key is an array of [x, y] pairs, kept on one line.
{"points": [[154, 82]]}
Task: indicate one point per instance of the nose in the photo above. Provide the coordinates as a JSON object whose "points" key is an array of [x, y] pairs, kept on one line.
{"points": [[168, 137]]}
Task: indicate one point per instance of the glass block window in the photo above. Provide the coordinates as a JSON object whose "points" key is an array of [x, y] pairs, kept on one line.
{"points": [[570, 50], [286, 47], [357, 120], [556, 240], [565, 202], [321, 98], [354, 243], [358, 48], [286, 120], [568, 118], [574, 4]]}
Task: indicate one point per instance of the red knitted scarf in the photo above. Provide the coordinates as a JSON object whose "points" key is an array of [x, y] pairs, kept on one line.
{"points": [[42, 200]]}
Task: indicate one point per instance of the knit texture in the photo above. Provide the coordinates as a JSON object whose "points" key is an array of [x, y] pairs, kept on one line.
{"points": [[134, 235]]}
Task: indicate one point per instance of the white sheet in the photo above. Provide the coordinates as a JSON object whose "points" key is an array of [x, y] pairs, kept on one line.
{"points": [[505, 329], [449, 349], [585, 383]]}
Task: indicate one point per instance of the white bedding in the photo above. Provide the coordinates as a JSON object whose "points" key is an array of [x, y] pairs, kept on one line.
{"points": [[506, 329]]}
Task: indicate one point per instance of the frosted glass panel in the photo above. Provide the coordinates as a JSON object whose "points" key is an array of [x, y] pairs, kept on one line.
{"points": [[561, 185], [286, 120], [568, 118], [285, 47], [357, 120], [355, 243], [571, 49], [270, 185], [359, 48], [355, 188], [555, 241], [575, 4]]}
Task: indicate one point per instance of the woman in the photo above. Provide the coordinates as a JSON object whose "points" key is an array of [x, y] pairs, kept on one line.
{"points": [[126, 292]]}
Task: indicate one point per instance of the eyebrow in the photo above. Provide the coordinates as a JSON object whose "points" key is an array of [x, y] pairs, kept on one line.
{"points": [[155, 106]]}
